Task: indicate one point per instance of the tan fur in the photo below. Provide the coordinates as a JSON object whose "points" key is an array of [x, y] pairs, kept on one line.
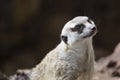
{"points": [[72, 61]]}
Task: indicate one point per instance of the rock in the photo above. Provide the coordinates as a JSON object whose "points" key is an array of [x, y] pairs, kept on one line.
{"points": [[3, 77], [108, 68]]}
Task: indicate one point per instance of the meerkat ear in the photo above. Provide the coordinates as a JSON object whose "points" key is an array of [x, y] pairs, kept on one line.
{"points": [[64, 38]]}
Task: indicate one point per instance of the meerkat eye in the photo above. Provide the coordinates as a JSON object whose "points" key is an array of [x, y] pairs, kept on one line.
{"points": [[79, 28], [89, 21]]}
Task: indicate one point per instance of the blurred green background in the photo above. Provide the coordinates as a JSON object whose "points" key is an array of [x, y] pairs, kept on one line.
{"points": [[31, 28]]}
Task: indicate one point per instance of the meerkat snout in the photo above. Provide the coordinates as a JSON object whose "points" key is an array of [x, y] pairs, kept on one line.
{"points": [[94, 28]]}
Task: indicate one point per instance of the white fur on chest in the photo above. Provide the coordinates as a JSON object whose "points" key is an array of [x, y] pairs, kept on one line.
{"points": [[61, 62], [74, 61]]}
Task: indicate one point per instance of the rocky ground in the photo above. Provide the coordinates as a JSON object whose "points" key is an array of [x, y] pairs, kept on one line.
{"points": [[107, 68]]}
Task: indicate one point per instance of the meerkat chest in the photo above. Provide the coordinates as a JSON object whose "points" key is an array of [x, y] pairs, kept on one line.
{"points": [[74, 56], [74, 60], [72, 63], [57, 66]]}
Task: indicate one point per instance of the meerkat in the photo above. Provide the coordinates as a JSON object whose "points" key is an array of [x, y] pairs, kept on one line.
{"points": [[73, 58]]}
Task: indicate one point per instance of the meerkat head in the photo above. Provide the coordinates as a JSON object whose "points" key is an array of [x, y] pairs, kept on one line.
{"points": [[78, 29]]}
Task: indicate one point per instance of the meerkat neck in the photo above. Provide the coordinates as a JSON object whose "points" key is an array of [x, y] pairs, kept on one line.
{"points": [[86, 43]]}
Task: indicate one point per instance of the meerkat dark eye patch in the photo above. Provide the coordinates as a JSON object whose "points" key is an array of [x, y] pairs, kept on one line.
{"points": [[89, 21], [78, 28], [64, 38]]}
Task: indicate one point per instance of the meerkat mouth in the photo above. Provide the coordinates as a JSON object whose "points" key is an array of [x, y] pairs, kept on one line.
{"points": [[92, 33]]}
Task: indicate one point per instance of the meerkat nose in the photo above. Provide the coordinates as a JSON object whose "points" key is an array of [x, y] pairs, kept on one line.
{"points": [[94, 29]]}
